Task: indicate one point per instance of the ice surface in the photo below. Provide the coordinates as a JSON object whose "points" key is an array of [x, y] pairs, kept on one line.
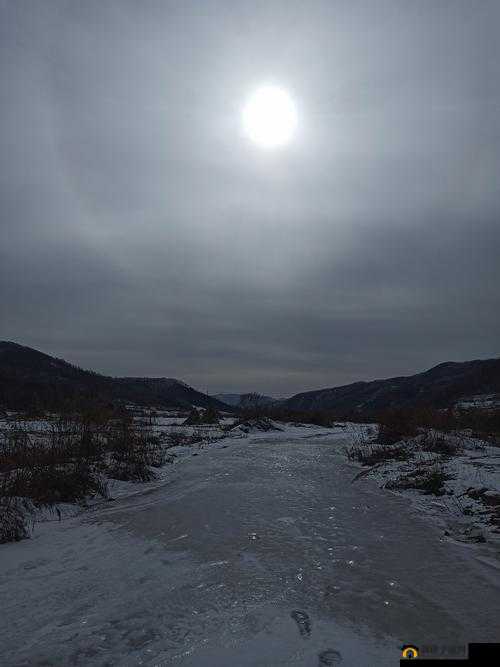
{"points": [[341, 572]]}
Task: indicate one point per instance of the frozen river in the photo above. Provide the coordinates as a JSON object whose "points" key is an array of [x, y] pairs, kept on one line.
{"points": [[258, 552]]}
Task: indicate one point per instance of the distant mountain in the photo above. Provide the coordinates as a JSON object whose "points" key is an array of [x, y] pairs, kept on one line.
{"points": [[228, 399], [439, 387], [30, 378], [245, 400]]}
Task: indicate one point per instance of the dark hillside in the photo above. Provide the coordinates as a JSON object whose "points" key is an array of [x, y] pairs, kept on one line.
{"points": [[32, 379], [439, 387]]}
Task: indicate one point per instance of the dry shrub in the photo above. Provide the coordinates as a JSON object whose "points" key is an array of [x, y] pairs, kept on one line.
{"points": [[396, 425], [179, 438], [47, 485], [371, 455], [69, 462], [15, 519], [429, 480], [439, 444], [132, 452]]}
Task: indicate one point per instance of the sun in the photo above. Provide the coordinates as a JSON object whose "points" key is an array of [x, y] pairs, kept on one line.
{"points": [[269, 117]]}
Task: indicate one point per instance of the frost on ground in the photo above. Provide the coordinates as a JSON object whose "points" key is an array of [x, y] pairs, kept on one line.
{"points": [[251, 550], [453, 477], [55, 465]]}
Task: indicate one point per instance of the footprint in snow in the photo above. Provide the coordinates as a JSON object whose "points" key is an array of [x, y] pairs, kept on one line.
{"points": [[303, 622], [329, 657]]}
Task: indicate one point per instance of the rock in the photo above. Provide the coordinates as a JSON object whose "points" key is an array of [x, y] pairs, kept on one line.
{"points": [[491, 497]]}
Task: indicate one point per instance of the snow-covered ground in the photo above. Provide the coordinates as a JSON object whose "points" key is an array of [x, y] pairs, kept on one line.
{"points": [[258, 549], [468, 508]]}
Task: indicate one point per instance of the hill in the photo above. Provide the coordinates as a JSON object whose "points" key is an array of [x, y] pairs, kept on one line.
{"points": [[440, 387], [245, 400], [228, 399], [29, 378]]}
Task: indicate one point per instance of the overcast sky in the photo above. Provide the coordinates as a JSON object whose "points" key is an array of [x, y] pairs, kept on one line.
{"points": [[142, 234]]}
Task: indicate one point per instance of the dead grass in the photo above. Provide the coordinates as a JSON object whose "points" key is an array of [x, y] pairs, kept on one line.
{"points": [[208, 416], [70, 461], [179, 438], [372, 454], [396, 425], [441, 444], [429, 479], [15, 519]]}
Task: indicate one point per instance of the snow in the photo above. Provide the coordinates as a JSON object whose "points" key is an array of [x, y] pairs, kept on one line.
{"points": [[476, 466], [262, 425], [259, 550]]}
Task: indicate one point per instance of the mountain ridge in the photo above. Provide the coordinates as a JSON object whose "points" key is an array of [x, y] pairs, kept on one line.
{"points": [[246, 400], [30, 378], [440, 386]]}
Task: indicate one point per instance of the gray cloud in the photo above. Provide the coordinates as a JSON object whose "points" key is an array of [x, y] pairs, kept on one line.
{"points": [[141, 234]]}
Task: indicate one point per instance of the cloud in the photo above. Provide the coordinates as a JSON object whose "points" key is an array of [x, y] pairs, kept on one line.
{"points": [[142, 234]]}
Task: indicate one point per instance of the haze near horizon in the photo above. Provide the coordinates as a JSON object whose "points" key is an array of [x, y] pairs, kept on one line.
{"points": [[148, 231]]}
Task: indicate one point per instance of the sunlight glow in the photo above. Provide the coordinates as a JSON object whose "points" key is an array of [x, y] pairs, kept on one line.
{"points": [[269, 117]]}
